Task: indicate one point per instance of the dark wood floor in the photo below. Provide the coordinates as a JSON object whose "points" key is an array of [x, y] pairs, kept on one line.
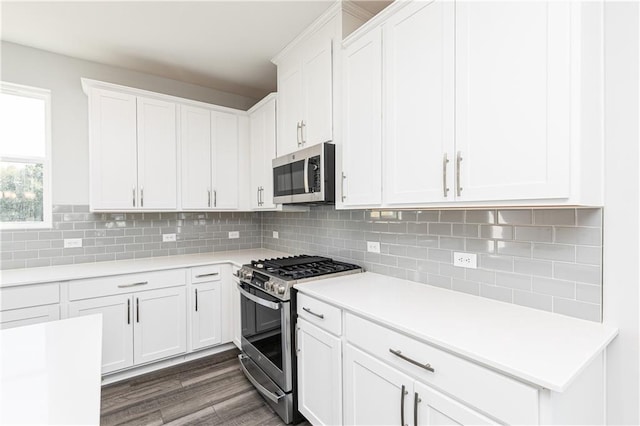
{"points": [[209, 391]]}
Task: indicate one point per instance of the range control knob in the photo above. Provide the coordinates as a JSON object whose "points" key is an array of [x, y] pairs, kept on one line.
{"points": [[281, 289], [268, 285]]}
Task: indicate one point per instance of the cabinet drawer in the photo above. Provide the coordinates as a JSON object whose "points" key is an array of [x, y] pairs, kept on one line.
{"points": [[509, 400], [120, 284], [207, 273], [319, 313], [31, 295]]}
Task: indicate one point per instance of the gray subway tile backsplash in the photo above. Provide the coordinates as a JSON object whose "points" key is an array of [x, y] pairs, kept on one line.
{"points": [[547, 259], [518, 259]]}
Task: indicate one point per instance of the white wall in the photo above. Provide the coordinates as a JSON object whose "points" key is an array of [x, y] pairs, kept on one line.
{"points": [[621, 212], [61, 74]]}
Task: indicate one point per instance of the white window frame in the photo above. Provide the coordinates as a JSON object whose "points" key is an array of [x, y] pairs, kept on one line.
{"points": [[45, 95]]}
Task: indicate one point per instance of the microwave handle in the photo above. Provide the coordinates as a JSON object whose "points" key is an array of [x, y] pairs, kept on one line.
{"points": [[306, 175]]}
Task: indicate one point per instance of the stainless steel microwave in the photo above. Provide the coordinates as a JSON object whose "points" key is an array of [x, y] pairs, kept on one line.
{"points": [[305, 176]]}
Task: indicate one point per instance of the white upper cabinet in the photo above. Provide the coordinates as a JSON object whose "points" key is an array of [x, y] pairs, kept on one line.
{"points": [[195, 143], [133, 147], [157, 152], [306, 85], [262, 135], [419, 85], [362, 131], [225, 145], [113, 153], [513, 99], [483, 103]]}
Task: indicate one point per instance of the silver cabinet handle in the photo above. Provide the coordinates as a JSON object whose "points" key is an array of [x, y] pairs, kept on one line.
{"points": [[458, 183], [416, 401], [344, 196], [445, 189], [261, 196], [402, 395], [414, 362], [133, 195], [208, 198], [298, 131], [133, 284], [321, 316], [261, 302], [128, 311], [215, 198], [142, 196], [196, 300], [258, 195], [212, 274], [302, 126], [137, 310]]}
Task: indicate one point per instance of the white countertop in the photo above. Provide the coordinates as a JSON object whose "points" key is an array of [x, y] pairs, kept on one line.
{"points": [[16, 277], [543, 348], [50, 372]]}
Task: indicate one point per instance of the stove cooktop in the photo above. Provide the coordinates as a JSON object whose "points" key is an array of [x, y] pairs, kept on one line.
{"points": [[277, 276], [303, 266]]}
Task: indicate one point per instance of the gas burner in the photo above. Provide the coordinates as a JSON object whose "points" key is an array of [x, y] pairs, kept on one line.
{"points": [[278, 275]]}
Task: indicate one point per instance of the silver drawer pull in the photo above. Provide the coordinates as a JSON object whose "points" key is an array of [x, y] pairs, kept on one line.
{"points": [[212, 274], [412, 361], [321, 316], [133, 285]]}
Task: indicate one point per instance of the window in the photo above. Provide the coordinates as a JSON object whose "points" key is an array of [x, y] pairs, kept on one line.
{"points": [[25, 157]]}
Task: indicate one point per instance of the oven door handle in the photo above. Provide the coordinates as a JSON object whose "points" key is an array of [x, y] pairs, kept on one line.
{"points": [[264, 391], [271, 305]]}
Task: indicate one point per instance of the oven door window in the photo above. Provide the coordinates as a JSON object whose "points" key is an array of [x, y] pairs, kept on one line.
{"points": [[289, 179], [262, 326]]}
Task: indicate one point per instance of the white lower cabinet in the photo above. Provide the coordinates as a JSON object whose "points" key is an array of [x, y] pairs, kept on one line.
{"points": [[205, 315], [117, 331], [431, 407], [28, 316], [160, 329], [139, 326], [319, 374], [236, 326], [31, 304]]}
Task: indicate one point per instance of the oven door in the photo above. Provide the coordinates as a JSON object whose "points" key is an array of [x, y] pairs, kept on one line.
{"points": [[266, 333]]}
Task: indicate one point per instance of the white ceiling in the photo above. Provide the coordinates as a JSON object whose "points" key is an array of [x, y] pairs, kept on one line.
{"points": [[226, 45]]}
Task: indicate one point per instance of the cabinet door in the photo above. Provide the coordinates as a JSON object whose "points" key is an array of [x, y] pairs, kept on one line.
{"points": [[317, 92], [362, 142], [236, 327], [205, 315], [419, 110], [375, 394], [319, 375], [160, 324], [117, 331], [432, 408], [513, 99], [112, 152], [195, 143], [224, 141], [28, 316], [262, 124], [290, 105], [157, 154]]}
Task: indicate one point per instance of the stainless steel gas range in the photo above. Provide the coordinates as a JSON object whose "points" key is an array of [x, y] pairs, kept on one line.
{"points": [[268, 314]]}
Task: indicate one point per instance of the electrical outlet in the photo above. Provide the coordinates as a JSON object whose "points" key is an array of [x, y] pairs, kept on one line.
{"points": [[465, 260], [167, 238], [373, 246], [275, 234], [72, 242], [234, 234]]}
